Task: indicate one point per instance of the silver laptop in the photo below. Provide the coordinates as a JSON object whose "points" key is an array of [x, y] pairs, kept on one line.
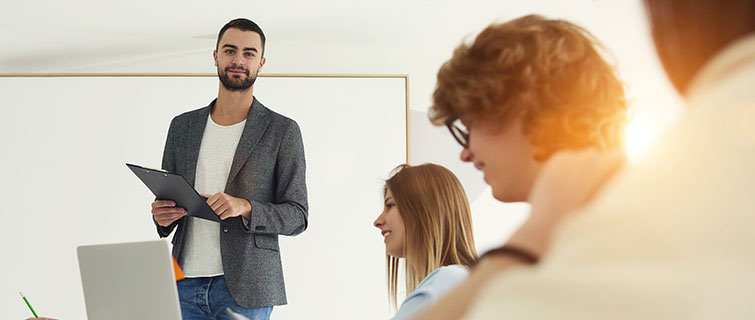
{"points": [[127, 281]]}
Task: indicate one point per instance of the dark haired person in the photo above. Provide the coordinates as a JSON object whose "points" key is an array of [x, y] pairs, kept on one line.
{"points": [[249, 162]]}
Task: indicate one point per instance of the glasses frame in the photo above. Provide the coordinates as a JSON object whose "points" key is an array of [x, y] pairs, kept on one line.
{"points": [[461, 135]]}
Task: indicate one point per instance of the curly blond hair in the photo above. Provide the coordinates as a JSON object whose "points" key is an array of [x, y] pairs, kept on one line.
{"points": [[546, 73]]}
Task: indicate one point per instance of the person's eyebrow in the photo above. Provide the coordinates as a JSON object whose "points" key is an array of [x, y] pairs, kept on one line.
{"points": [[236, 48]]}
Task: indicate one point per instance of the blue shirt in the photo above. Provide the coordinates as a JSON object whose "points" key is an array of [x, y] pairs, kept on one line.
{"points": [[433, 287]]}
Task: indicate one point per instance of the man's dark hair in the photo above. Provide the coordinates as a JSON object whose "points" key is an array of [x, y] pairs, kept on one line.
{"points": [[243, 25], [688, 33]]}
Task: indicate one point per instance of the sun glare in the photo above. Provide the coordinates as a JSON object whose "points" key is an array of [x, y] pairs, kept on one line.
{"points": [[640, 136]]}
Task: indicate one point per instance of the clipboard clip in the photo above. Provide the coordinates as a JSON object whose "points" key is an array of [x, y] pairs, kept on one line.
{"points": [[165, 173]]}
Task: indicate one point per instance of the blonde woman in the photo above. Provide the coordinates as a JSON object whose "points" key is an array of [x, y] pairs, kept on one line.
{"points": [[426, 222]]}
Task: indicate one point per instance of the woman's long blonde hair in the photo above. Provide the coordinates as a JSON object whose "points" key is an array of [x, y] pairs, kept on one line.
{"points": [[437, 220]]}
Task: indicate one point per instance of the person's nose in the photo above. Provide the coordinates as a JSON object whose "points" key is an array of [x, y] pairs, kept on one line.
{"points": [[466, 155], [238, 60], [379, 222]]}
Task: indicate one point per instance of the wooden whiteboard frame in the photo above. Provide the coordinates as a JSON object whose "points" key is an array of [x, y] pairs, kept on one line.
{"points": [[263, 75]]}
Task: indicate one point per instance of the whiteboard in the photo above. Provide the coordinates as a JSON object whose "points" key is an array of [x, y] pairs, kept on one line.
{"points": [[66, 139]]}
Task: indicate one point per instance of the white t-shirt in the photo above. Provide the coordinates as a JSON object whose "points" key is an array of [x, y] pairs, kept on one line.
{"points": [[201, 255]]}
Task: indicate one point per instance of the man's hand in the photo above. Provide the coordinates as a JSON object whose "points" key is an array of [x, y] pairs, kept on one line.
{"points": [[567, 182], [226, 206], [165, 212], [570, 180]]}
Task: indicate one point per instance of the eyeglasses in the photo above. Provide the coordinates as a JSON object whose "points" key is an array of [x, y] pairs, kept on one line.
{"points": [[461, 135]]}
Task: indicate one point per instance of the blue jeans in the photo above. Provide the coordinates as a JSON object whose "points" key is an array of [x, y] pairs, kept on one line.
{"points": [[208, 298]]}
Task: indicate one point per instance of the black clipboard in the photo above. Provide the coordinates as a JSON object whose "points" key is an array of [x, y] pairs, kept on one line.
{"points": [[171, 186]]}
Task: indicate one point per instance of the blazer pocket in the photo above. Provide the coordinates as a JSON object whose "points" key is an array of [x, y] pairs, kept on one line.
{"points": [[264, 241]]}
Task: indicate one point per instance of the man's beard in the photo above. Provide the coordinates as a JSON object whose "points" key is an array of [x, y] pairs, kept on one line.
{"points": [[233, 84]]}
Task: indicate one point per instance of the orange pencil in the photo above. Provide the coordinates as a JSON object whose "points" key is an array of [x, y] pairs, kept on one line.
{"points": [[177, 269]]}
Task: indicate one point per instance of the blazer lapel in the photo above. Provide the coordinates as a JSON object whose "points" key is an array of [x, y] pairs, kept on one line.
{"points": [[256, 124], [194, 140]]}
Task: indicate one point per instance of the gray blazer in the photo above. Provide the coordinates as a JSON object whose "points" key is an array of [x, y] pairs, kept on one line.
{"points": [[268, 170]]}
